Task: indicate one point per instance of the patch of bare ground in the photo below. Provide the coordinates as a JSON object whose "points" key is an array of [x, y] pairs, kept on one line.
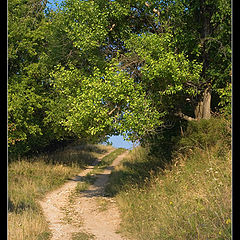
{"points": [[86, 215]]}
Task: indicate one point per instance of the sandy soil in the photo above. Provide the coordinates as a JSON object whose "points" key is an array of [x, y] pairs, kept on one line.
{"points": [[89, 212]]}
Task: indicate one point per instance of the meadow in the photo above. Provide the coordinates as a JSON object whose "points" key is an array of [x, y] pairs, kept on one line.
{"points": [[186, 195], [186, 198], [29, 179]]}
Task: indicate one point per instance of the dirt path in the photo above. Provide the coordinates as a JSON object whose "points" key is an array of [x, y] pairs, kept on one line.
{"points": [[88, 214]]}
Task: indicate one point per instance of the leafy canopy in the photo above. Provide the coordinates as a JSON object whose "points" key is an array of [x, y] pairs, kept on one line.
{"points": [[93, 68]]}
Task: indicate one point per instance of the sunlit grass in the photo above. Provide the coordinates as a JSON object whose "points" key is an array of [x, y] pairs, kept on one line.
{"points": [[27, 225], [30, 179], [90, 178], [190, 199]]}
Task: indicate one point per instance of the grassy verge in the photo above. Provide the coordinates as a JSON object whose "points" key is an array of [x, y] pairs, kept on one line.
{"points": [[187, 199], [91, 177], [82, 236], [30, 179], [107, 160]]}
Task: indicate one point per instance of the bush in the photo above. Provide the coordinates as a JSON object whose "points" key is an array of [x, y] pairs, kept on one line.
{"points": [[206, 133], [189, 197]]}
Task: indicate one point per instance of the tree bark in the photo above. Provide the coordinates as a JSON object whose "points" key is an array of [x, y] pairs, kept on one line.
{"points": [[203, 108], [185, 117]]}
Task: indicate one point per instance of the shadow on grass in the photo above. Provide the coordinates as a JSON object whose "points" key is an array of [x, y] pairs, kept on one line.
{"points": [[97, 178], [134, 174], [161, 149], [74, 154]]}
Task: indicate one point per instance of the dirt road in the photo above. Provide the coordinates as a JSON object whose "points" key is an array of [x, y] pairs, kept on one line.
{"points": [[88, 215]]}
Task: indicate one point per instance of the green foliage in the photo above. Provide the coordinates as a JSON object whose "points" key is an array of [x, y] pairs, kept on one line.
{"points": [[188, 197], [93, 68], [164, 73], [202, 30], [225, 95], [207, 133], [87, 26], [100, 103], [27, 95]]}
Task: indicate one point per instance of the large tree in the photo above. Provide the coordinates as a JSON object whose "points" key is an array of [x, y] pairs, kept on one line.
{"points": [[28, 73], [172, 54], [197, 32], [94, 95], [202, 30], [92, 68]]}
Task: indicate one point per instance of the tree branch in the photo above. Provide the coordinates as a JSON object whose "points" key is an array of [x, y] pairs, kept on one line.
{"points": [[185, 117], [113, 110]]}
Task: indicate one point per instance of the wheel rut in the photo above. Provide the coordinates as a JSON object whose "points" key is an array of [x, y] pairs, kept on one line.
{"points": [[90, 213]]}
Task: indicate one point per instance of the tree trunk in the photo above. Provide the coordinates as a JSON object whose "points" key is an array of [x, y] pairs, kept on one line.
{"points": [[203, 108]]}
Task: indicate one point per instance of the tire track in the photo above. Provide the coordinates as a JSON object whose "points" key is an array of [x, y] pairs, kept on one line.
{"points": [[83, 215]]}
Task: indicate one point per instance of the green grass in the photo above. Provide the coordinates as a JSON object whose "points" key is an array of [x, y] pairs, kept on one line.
{"points": [[82, 236], [90, 178], [189, 198], [30, 179], [86, 181], [190, 201], [107, 160]]}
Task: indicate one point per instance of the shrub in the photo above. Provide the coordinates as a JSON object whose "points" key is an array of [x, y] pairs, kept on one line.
{"points": [[206, 133], [189, 197]]}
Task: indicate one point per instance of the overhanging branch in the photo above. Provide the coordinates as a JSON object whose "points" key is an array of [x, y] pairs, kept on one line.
{"points": [[185, 117]]}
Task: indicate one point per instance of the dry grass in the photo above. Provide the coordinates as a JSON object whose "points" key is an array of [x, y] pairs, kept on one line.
{"points": [[30, 179], [99, 168], [190, 199], [27, 225]]}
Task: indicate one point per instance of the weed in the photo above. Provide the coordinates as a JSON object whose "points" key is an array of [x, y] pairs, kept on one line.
{"points": [[82, 236], [107, 160], [103, 204], [30, 179], [90, 178], [188, 198], [27, 225]]}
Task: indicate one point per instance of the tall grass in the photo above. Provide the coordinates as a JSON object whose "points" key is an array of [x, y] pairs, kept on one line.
{"points": [[30, 179], [188, 198]]}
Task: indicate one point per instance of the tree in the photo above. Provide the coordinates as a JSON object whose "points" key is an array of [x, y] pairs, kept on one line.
{"points": [[200, 32], [93, 68], [162, 51], [164, 73], [27, 76], [93, 95], [202, 29]]}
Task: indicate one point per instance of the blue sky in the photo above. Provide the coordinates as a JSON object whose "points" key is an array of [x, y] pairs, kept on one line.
{"points": [[119, 142]]}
